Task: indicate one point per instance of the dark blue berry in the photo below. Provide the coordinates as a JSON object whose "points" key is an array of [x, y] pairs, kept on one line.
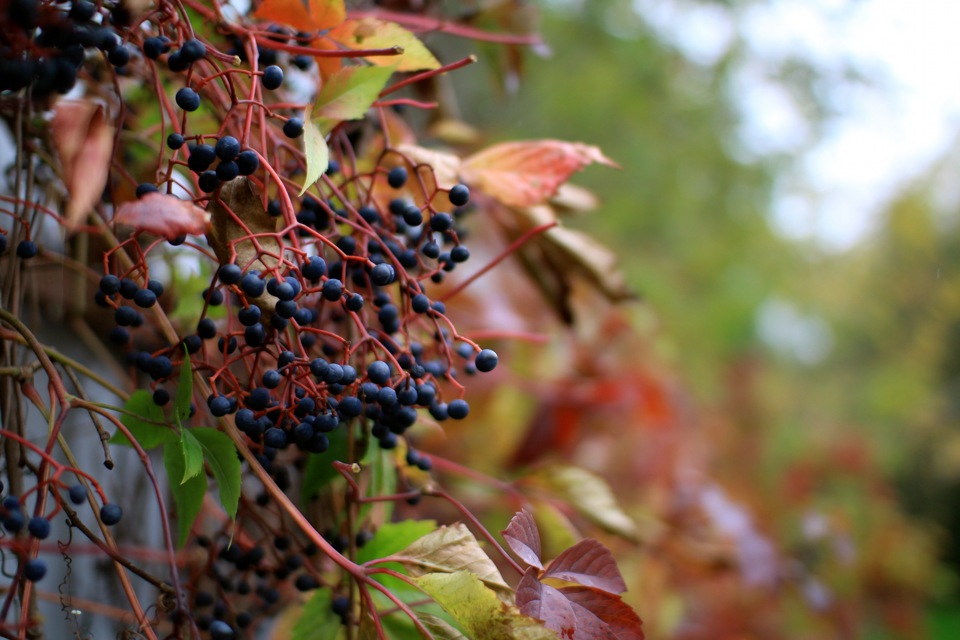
{"points": [[125, 316], [119, 57], [271, 379], [379, 372], [439, 411], [192, 50], [272, 77], [459, 195], [13, 521], [109, 284], [160, 367], [227, 171], [458, 409], [430, 249], [486, 360], [383, 274], [188, 99], [208, 181], [412, 215], [254, 335], [176, 62], [420, 303], [39, 527], [156, 286], [207, 328], [249, 316], [355, 302], [152, 47], [128, 288], [110, 514], [276, 438], [26, 249], [440, 222], [248, 162], [144, 188], [397, 177], [201, 157], [230, 274], [77, 494], [193, 343], [144, 298], [219, 406], [34, 570], [252, 285], [214, 297], [286, 309], [220, 630], [350, 407], [119, 336], [161, 397], [174, 141], [459, 254], [293, 128], [227, 148], [332, 289]]}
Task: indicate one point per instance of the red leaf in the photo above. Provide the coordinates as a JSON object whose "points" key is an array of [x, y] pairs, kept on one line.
{"points": [[622, 621], [569, 620], [522, 174], [164, 215], [588, 563], [84, 141], [309, 15], [523, 537]]}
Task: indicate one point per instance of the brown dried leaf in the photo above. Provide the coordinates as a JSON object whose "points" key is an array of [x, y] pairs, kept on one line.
{"points": [[596, 262], [163, 215], [521, 174], [445, 165], [84, 141], [242, 231], [523, 538], [588, 563], [569, 620]]}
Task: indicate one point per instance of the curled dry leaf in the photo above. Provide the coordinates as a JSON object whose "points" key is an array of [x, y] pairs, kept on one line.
{"points": [[163, 215], [84, 141], [241, 231], [521, 174], [523, 537]]}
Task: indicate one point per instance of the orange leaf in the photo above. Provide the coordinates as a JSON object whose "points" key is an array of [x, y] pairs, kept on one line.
{"points": [[164, 215], [522, 174], [309, 15], [328, 66], [84, 141]]}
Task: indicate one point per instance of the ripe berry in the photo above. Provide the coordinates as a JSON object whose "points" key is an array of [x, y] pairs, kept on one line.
{"points": [[34, 570], [26, 249], [271, 379], [249, 316], [78, 495], [230, 274], [459, 195], [144, 298], [350, 407], [486, 360], [152, 47], [110, 514], [208, 181], [161, 397], [188, 99], [125, 316], [219, 406], [420, 303], [292, 128], [227, 171], [459, 253], [3, 243], [220, 630], [248, 162], [128, 288], [39, 527], [382, 274], [413, 216], [144, 188], [397, 177], [192, 50], [458, 409], [252, 285], [83, 10], [305, 582], [13, 521], [441, 222], [354, 302], [379, 372], [119, 57], [430, 249], [174, 141], [227, 148], [201, 157], [207, 328], [314, 269], [272, 77], [332, 289], [109, 284], [340, 605]]}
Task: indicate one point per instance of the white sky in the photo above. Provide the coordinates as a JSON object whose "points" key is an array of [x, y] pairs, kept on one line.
{"points": [[881, 139]]}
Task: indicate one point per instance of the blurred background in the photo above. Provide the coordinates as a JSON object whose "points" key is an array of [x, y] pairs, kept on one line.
{"points": [[780, 409]]}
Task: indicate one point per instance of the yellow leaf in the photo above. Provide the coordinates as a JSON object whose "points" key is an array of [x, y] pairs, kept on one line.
{"points": [[315, 151], [370, 33]]}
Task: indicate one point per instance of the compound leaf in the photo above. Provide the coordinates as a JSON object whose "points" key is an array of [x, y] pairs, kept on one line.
{"points": [[187, 495], [146, 422], [192, 455]]}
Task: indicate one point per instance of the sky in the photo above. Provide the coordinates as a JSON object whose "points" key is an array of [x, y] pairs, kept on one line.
{"points": [[881, 138]]}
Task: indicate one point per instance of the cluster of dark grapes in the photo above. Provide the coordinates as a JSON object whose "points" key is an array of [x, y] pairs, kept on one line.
{"points": [[44, 44]]}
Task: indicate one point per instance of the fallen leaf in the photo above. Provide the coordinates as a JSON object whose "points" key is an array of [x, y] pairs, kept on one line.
{"points": [[371, 33], [521, 174], [523, 537], [84, 141], [588, 563], [164, 215]]}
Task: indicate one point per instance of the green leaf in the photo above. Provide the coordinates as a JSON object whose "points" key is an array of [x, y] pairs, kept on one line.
{"points": [[146, 422], [317, 621], [477, 609], [315, 151], [221, 454], [187, 495], [450, 549], [383, 481], [192, 455], [349, 94], [184, 394], [393, 537]]}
